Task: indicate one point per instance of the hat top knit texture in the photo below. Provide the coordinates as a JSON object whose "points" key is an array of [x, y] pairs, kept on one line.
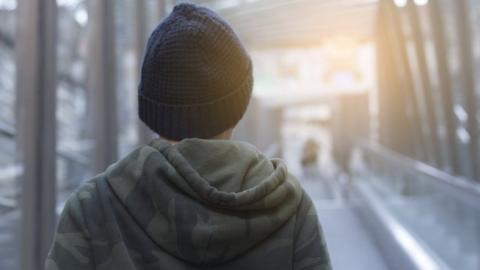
{"points": [[196, 76]]}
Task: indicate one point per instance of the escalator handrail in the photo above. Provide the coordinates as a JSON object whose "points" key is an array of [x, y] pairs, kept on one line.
{"points": [[462, 185]]}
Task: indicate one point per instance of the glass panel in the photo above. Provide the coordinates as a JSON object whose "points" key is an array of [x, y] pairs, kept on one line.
{"points": [[74, 140], [9, 168], [126, 74], [448, 8]]}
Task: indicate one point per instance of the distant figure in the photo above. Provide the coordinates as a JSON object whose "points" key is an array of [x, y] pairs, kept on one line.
{"points": [[309, 156], [310, 152], [341, 152], [192, 198]]}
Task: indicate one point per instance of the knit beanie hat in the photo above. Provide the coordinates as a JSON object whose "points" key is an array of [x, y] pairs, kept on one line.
{"points": [[196, 79]]}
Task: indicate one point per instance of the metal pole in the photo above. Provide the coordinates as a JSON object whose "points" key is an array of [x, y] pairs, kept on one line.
{"points": [[102, 90], [444, 82], [467, 75], [390, 113], [36, 126], [425, 83], [398, 39], [144, 133]]}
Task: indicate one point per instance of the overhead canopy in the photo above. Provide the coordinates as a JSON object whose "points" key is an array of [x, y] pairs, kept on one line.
{"points": [[287, 23]]}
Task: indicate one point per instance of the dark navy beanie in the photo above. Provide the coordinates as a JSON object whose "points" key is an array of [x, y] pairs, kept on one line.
{"points": [[196, 79]]}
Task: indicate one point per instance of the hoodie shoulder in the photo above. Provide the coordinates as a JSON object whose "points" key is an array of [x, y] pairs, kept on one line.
{"points": [[71, 245], [310, 249], [82, 202]]}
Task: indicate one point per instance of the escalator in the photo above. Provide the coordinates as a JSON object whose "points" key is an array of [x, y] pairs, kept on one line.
{"points": [[419, 216], [395, 213]]}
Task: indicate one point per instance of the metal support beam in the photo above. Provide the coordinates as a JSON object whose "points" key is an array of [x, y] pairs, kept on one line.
{"points": [[467, 76], [391, 96], [36, 126], [144, 133], [445, 84], [102, 90], [426, 86], [397, 39], [141, 29], [415, 94]]}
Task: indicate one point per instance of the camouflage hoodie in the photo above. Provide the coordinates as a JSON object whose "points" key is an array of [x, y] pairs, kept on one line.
{"points": [[198, 204]]}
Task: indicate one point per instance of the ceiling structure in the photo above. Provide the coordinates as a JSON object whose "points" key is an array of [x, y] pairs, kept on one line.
{"points": [[294, 23]]}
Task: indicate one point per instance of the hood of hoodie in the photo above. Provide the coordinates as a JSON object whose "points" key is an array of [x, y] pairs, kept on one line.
{"points": [[205, 201]]}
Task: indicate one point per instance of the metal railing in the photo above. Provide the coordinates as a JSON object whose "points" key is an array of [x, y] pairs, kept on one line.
{"points": [[467, 189], [441, 212]]}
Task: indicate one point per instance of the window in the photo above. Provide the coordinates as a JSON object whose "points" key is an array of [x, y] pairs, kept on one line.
{"points": [[153, 12], [73, 135], [127, 71], [10, 170]]}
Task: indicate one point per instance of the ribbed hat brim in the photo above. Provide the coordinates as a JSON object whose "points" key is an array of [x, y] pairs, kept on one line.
{"points": [[177, 122]]}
